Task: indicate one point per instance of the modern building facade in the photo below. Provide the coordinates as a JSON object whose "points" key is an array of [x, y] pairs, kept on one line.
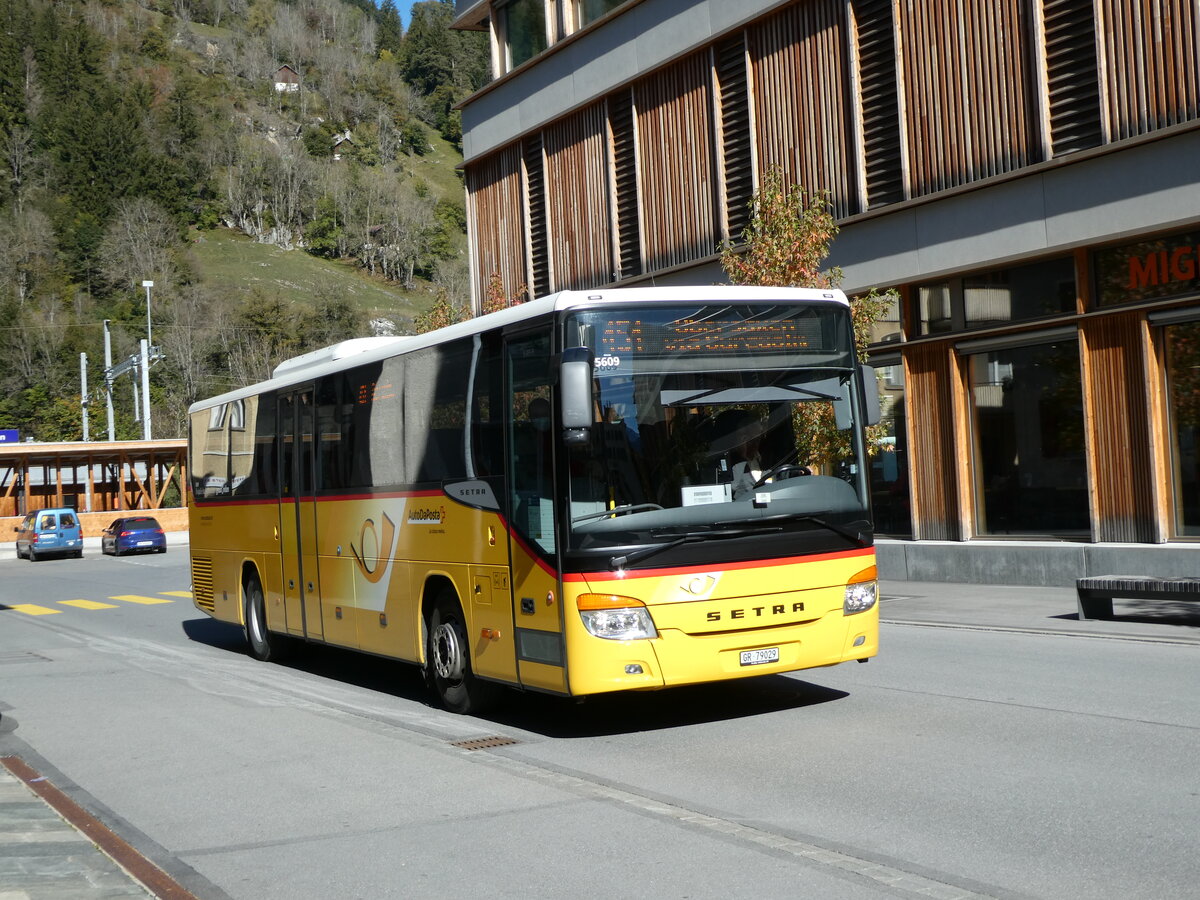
{"points": [[1024, 173]]}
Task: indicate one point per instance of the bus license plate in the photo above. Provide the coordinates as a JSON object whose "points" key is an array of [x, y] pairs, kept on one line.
{"points": [[758, 657]]}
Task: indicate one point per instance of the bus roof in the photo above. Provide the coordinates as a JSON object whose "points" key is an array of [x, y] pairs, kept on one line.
{"points": [[358, 351]]}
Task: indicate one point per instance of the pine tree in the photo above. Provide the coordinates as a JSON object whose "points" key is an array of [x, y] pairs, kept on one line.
{"points": [[391, 29]]}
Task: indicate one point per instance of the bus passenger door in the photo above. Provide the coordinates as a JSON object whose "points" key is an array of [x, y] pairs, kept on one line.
{"points": [[531, 507], [297, 515]]}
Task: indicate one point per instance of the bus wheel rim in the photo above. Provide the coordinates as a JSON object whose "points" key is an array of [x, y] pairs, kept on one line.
{"points": [[447, 653]]}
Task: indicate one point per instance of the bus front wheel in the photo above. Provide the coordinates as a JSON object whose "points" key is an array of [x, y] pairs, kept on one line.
{"points": [[448, 661], [262, 643]]}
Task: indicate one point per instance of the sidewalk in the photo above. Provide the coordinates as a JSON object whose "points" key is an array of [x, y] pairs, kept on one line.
{"points": [[1049, 610], [43, 857]]}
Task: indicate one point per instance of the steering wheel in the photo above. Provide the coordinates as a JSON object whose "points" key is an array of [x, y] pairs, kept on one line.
{"points": [[786, 470]]}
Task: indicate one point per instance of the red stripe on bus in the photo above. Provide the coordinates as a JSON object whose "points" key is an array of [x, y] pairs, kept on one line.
{"points": [[328, 498]]}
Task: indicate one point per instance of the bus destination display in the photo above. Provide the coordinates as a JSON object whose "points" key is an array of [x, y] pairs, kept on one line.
{"points": [[708, 335]]}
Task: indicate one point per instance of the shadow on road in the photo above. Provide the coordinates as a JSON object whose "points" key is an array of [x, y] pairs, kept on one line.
{"points": [[555, 717], [1152, 612], [611, 714]]}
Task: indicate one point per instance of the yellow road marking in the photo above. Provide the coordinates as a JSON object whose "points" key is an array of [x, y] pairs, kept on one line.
{"points": [[145, 601], [87, 604], [186, 594], [32, 609]]}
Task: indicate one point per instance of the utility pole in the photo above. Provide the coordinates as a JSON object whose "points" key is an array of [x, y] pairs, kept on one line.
{"points": [[146, 389], [83, 393], [147, 285], [135, 363], [85, 402], [108, 380]]}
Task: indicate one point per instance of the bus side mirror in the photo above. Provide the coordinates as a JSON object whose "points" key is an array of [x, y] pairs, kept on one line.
{"points": [[870, 388], [575, 394]]}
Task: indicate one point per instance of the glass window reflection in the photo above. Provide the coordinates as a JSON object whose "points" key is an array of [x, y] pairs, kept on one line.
{"points": [[524, 23], [1183, 387], [1029, 447]]}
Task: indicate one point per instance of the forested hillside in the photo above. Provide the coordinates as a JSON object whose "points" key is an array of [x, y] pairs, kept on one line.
{"points": [[138, 140]]}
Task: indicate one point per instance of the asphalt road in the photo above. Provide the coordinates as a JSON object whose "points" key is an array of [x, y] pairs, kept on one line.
{"points": [[970, 758]]}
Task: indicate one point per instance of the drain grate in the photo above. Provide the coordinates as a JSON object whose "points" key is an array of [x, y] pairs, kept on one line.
{"points": [[485, 743]]}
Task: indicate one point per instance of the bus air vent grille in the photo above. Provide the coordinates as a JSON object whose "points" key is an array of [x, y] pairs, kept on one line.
{"points": [[202, 583]]}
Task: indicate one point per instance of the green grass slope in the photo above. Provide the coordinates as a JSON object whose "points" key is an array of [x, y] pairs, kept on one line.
{"points": [[228, 262]]}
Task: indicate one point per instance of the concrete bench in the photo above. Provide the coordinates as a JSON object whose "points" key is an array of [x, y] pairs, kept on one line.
{"points": [[1096, 593]]}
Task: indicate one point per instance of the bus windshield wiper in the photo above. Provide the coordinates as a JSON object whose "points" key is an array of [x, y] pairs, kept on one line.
{"points": [[615, 511], [690, 537], [855, 537]]}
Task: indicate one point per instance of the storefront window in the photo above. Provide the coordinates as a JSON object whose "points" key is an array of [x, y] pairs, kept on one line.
{"points": [[889, 455], [1030, 470], [1183, 386], [524, 24]]}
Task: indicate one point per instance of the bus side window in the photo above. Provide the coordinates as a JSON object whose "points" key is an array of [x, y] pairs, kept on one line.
{"points": [[487, 411], [435, 404]]}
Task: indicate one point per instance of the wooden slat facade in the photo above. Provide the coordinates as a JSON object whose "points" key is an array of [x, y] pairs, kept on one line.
{"points": [[675, 174], [801, 102], [496, 211], [931, 441], [578, 200], [964, 66], [876, 101], [1151, 71], [1119, 433]]}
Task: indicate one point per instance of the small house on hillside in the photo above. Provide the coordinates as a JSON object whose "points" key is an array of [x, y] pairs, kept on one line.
{"points": [[287, 79], [342, 144]]}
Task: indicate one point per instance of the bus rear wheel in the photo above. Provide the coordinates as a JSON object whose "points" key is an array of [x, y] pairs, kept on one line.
{"points": [[448, 661]]}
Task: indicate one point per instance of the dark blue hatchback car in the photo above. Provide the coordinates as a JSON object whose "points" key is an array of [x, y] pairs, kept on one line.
{"points": [[133, 534]]}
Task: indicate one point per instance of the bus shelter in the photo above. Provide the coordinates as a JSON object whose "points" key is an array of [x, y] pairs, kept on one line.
{"points": [[97, 479]]}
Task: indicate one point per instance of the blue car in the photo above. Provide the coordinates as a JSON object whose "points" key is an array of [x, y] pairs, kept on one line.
{"points": [[133, 534], [50, 532]]}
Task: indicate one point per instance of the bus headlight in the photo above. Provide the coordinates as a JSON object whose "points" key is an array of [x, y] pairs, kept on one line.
{"points": [[859, 597], [615, 618]]}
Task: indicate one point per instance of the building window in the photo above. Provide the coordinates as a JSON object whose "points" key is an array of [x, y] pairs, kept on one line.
{"points": [[1031, 476], [987, 299], [1183, 391], [588, 11], [934, 300], [523, 30], [887, 328], [1018, 293], [889, 455]]}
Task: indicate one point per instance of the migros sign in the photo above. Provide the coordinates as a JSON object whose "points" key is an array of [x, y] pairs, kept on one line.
{"points": [[1164, 267]]}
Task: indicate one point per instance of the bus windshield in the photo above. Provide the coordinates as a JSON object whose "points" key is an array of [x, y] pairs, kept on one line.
{"points": [[715, 422]]}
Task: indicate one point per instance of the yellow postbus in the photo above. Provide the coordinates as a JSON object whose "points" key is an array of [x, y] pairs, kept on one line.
{"points": [[595, 491]]}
